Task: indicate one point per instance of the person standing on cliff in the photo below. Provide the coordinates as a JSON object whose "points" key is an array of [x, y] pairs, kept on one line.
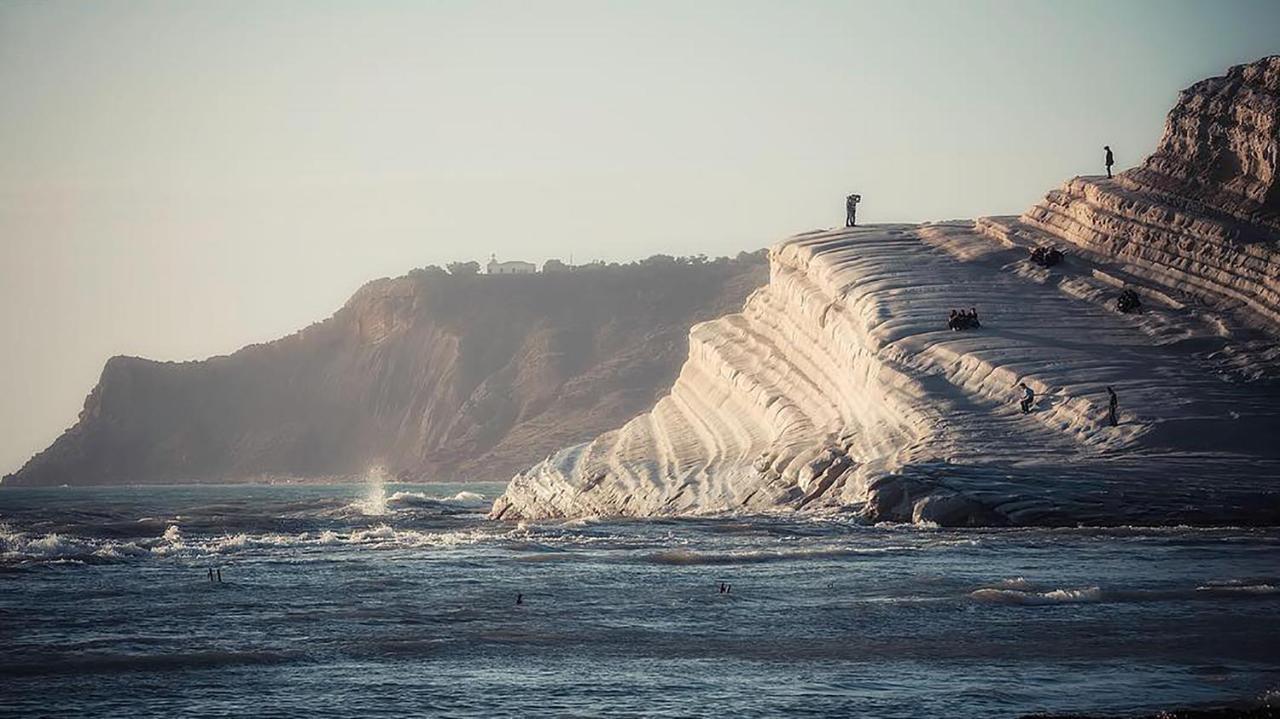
{"points": [[1113, 408], [851, 210], [1111, 160]]}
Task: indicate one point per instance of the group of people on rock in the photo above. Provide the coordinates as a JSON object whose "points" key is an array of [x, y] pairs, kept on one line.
{"points": [[1046, 256], [963, 320], [1128, 302]]}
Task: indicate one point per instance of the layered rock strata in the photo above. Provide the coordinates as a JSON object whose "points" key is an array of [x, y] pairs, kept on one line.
{"points": [[838, 387]]}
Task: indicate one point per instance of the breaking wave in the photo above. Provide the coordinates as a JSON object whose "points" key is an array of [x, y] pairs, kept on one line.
{"points": [[1056, 596], [1019, 591]]}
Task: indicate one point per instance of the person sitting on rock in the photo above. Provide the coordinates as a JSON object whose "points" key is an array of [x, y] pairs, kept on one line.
{"points": [[953, 322], [1128, 302], [973, 319], [1046, 256], [1028, 397]]}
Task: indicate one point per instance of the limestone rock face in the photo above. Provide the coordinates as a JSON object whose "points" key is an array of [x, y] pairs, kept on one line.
{"points": [[838, 387], [429, 375], [1221, 144], [1201, 217]]}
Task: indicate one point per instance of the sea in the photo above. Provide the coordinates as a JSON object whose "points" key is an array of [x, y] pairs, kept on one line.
{"points": [[387, 600]]}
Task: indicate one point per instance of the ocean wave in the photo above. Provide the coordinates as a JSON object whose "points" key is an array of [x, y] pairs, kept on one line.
{"points": [[377, 503], [757, 556], [115, 663], [19, 548], [1239, 588], [1026, 595], [1056, 596]]}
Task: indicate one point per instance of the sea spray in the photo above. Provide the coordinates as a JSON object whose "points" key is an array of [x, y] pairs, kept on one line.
{"points": [[374, 503]]}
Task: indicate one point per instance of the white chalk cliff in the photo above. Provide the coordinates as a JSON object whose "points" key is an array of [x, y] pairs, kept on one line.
{"points": [[838, 387]]}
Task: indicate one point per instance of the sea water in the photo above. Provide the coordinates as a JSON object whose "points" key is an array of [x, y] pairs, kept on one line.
{"points": [[397, 600]]}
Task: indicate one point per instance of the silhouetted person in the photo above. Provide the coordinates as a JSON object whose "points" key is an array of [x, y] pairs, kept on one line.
{"points": [[1128, 302], [1113, 407], [210, 574], [722, 587], [1111, 160], [1028, 397], [973, 316], [219, 575], [519, 599], [851, 210]]}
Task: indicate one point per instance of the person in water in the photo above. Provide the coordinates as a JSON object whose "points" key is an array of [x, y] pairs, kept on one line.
{"points": [[1113, 407], [1028, 397], [1111, 159]]}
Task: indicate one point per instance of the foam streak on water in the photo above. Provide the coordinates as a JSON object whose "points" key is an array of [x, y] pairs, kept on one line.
{"points": [[330, 608]]}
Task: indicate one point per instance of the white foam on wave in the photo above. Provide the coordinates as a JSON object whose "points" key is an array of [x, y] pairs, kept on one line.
{"points": [[1020, 583], [1057, 596], [462, 498], [1238, 588]]}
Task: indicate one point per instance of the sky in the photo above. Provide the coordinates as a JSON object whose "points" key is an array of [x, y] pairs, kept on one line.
{"points": [[179, 179]]}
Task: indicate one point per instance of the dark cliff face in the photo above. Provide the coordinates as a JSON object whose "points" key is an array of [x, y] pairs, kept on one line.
{"points": [[431, 376]]}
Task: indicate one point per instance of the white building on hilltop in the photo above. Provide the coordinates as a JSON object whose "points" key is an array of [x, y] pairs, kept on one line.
{"points": [[514, 267]]}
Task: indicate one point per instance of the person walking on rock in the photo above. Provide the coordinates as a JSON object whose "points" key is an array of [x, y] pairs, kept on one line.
{"points": [[1113, 407], [851, 210], [1111, 160]]}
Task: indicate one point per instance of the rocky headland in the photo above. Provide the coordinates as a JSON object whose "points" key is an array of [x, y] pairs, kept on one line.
{"points": [[839, 386], [429, 376]]}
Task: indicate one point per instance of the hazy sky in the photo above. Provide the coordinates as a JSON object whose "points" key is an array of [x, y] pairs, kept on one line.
{"points": [[178, 179]]}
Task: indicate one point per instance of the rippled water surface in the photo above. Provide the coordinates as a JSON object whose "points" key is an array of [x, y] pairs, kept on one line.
{"points": [[365, 600]]}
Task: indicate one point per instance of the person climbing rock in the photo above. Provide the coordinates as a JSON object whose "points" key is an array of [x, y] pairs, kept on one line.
{"points": [[1113, 407], [851, 210], [1028, 397], [1111, 160]]}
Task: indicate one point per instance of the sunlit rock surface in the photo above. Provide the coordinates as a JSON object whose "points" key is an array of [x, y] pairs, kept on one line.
{"points": [[838, 387]]}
